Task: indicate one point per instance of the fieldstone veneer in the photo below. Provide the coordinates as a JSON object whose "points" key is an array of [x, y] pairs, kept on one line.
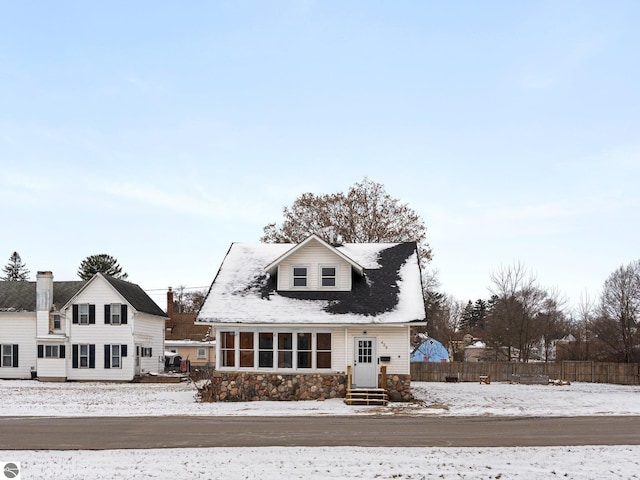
{"points": [[248, 387]]}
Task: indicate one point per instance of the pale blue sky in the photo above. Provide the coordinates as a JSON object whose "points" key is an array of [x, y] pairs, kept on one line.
{"points": [[160, 132]]}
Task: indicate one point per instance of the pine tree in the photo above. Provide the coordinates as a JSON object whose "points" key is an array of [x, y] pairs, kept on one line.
{"points": [[102, 263], [15, 270]]}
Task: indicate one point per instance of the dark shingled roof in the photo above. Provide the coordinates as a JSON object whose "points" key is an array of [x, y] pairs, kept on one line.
{"points": [[135, 296], [21, 296]]}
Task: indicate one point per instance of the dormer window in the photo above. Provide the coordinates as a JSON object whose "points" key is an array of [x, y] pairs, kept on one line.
{"points": [[300, 276], [328, 276]]}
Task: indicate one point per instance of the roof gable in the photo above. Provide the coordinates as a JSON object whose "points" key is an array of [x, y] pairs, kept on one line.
{"points": [[130, 292], [273, 266]]}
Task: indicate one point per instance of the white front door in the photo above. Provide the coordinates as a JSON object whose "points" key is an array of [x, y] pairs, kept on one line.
{"points": [[365, 366]]}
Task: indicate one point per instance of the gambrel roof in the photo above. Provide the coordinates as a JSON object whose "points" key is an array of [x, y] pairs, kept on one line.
{"points": [[388, 290]]}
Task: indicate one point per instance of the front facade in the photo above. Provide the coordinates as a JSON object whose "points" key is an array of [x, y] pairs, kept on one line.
{"points": [[325, 318], [101, 329]]}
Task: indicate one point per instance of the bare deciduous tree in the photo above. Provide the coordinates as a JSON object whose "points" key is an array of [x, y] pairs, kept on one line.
{"points": [[617, 324], [366, 213]]}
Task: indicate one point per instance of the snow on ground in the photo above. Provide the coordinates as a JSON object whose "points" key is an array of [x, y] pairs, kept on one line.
{"points": [[29, 398], [107, 399]]}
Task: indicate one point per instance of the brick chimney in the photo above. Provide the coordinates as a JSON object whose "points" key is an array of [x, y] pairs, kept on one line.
{"points": [[169, 322]]}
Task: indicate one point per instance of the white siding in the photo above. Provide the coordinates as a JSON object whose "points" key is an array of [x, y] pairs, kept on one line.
{"points": [[53, 367], [149, 332], [100, 293], [391, 342], [19, 329], [314, 255]]}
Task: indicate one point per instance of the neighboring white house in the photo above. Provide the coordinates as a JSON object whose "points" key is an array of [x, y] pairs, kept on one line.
{"points": [[100, 329], [291, 319]]}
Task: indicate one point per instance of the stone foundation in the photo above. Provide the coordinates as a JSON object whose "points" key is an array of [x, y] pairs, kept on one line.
{"points": [[249, 387], [399, 388]]}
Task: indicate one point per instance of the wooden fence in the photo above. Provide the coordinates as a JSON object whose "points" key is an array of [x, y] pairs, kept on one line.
{"points": [[592, 372]]}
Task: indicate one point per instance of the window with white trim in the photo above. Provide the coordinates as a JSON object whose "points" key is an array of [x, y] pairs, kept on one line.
{"points": [[328, 276], [83, 314], [227, 349], [276, 350], [299, 276], [113, 355], [115, 314], [202, 353], [265, 350], [52, 351], [9, 355]]}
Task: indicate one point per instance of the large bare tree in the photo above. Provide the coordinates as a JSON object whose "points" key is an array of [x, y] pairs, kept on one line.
{"points": [[619, 317], [517, 299], [366, 213]]}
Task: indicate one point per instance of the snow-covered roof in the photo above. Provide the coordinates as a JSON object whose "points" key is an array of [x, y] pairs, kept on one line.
{"points": [[388, 292]]}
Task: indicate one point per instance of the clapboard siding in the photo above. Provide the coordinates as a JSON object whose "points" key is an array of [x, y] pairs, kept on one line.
{"points": [[149, 332], [314, 255], [19, 329], [391, 342]]}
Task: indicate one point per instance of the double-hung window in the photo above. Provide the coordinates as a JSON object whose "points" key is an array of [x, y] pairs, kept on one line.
{"points": [[202, 352], [9, 355], [83, 310], [299, 275], [265, 350], [304, 350], [84, 314], [246, 349], [115, 314], [83, 355], [227, 349], [328, 276], [285, 350], [113, 355]]}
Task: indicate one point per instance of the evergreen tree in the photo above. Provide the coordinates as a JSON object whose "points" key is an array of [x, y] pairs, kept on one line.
{"points": [[15, 270], [102, 263]]}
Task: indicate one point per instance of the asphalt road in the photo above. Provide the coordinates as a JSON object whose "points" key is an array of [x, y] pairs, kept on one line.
{"points": [[99, 433]]}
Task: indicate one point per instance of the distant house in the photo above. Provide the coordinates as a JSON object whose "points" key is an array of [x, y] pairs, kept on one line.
{"points": [[100, 329], [292, 320], [187, 341]]}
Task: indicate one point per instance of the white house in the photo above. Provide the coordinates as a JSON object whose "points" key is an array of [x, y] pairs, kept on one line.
{"points": [[292, 319], [100, 329]]}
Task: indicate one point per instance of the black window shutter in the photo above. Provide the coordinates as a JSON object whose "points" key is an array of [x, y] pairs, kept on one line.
{"points": [[150, 351], [40, 351], [75, 313], [107, 356], [123, 314], [107, 314], [123, 350], [92, 314], [74, 349], [92, 356], [15, 355], [62, 352]]}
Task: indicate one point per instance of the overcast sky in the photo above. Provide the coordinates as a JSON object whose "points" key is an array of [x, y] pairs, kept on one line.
{"points": [[160, 132]]}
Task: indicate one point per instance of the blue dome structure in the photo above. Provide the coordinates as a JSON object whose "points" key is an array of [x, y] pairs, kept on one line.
{"points": [[430, 350]]}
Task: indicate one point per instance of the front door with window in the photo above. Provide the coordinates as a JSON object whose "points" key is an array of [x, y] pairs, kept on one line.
{"points": [[365, 367]]}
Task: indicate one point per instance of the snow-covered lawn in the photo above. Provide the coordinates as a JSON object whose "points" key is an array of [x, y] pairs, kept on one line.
{"points": [[103, 399]]}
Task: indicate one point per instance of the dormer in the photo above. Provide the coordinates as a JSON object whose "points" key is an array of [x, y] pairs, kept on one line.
{"points": [[314, 265]]}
